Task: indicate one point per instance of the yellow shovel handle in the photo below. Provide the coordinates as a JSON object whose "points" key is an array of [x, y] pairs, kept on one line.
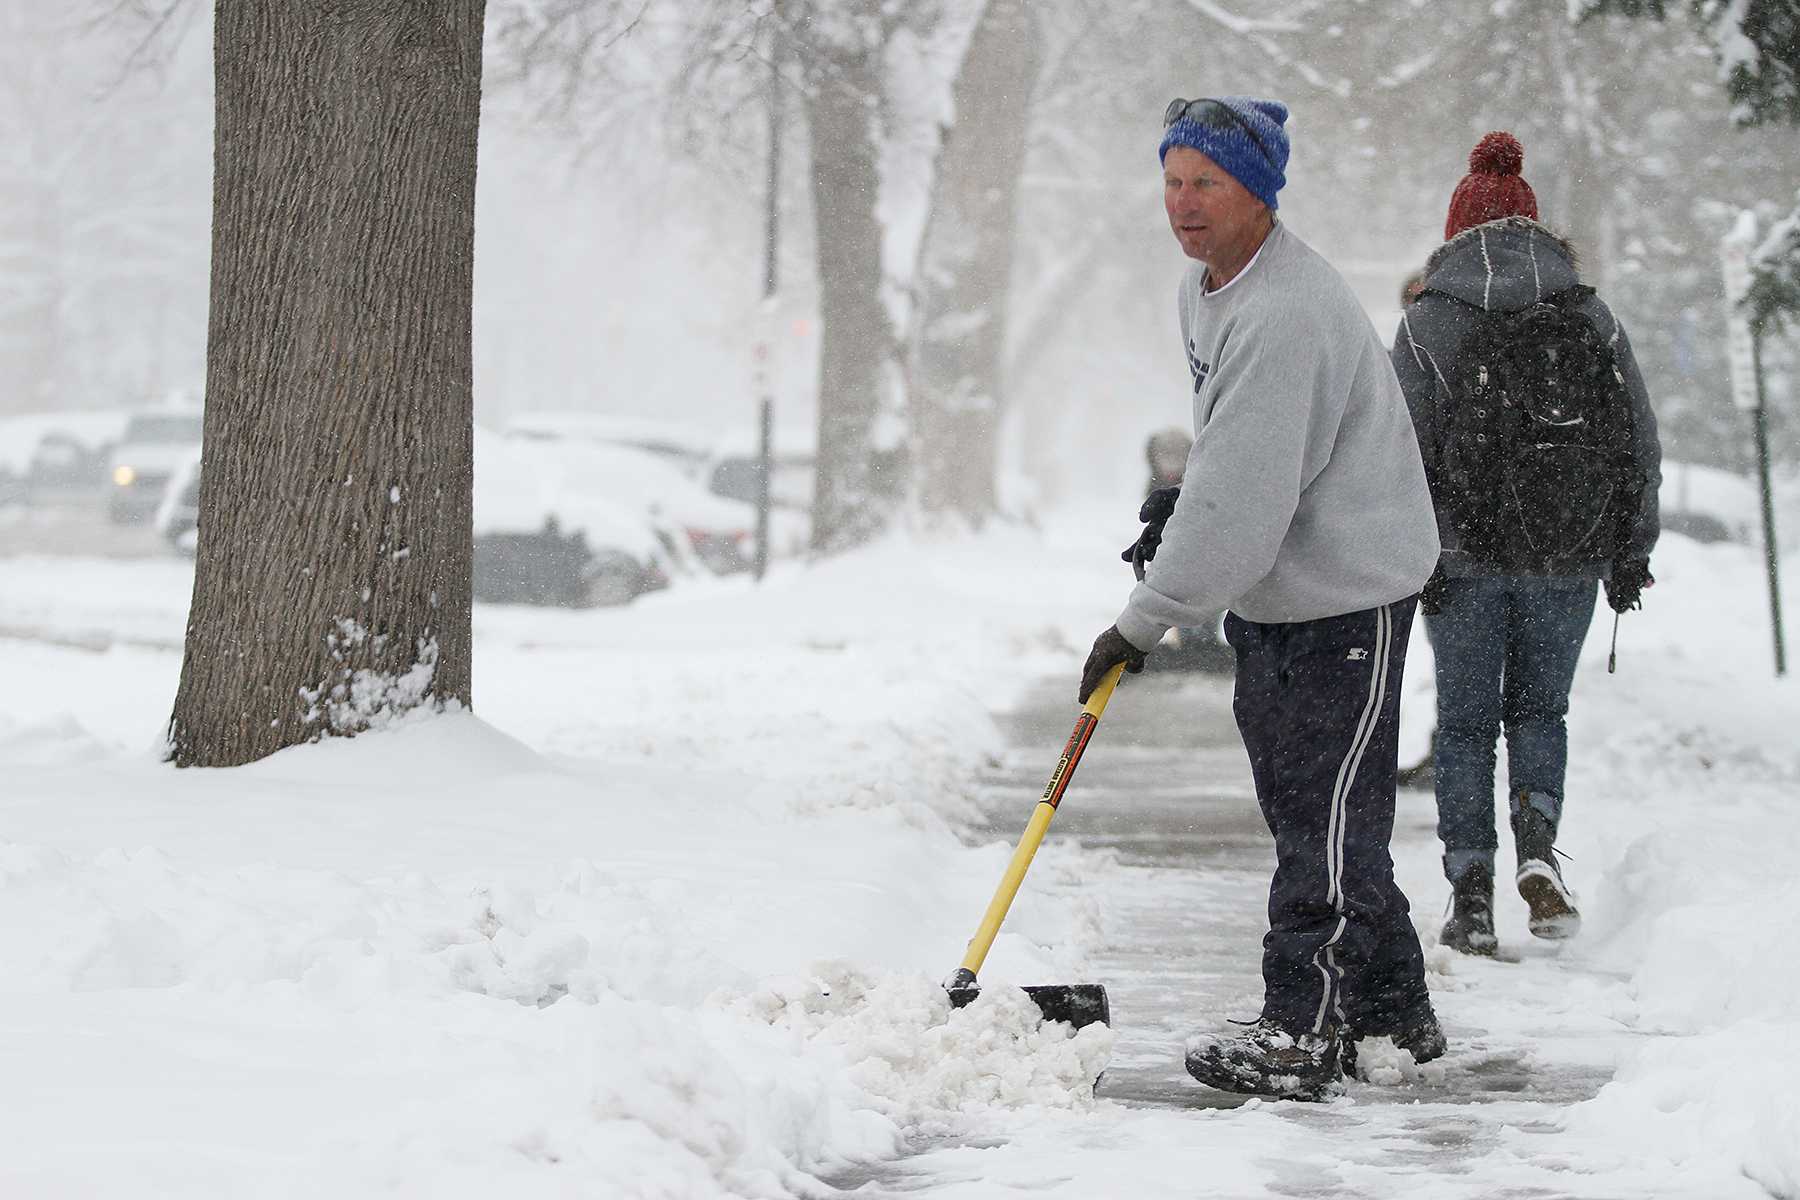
{"points": [[983, 941]]}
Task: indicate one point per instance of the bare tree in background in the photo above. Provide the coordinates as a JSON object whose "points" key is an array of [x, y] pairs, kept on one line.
{"points": [[833, 56], [1096, 228], [95, 230], [333, 577], [966, 267], [1623, 160], [838, 47], [1756, 42], [1757, 45]]}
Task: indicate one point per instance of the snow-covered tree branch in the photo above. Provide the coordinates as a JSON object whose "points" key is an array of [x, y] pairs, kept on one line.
{"points": [[1757, 43], [1774, 296]]}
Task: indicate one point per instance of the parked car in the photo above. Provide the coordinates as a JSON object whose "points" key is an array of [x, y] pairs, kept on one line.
{"points": [[737, 475], [541, 540], [153, 445], [551, 567], [695, 526], [49, 459], [734, 470], [729, 466]]}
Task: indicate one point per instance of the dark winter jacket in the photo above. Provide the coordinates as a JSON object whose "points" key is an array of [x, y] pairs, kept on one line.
{"points": [[1508, 265]]}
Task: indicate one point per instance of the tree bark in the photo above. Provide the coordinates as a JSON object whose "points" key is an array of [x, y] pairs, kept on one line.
{"points": [[332, 584], [966, 267], [856, 335]]}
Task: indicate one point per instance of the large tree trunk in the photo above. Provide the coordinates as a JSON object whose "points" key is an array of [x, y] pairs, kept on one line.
{"points": [[957, 398], [856, 335], [332, 584]]}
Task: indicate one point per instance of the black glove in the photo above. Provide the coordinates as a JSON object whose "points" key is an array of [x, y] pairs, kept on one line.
{"points": [[1110, 649], [1625, 590], [1158, 506], [1431, 596]]}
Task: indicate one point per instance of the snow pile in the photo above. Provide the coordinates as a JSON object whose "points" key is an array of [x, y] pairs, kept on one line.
{"points": [[499, 1020], [1724, 1098], [924, 1062], [77, 603], [1379, 1061], [36, 741], [438, 961], [1700, 917], [135, 920], [1690, 759]]}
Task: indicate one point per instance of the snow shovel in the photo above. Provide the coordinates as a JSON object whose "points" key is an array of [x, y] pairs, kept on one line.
{"points": [[1077, 1003]]}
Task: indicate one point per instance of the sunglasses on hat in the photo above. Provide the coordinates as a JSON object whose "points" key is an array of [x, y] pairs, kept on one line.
{"points": [[1214, 114]]}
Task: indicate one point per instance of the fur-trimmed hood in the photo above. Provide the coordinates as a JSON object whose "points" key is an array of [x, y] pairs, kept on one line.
{"points": [[1503, 265]]}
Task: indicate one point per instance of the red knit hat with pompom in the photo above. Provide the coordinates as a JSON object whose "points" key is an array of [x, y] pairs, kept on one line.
{"points": [[1493, 188]]}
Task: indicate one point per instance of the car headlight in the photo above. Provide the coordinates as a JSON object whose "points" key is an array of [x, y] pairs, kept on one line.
{"points": [[124, 476]]}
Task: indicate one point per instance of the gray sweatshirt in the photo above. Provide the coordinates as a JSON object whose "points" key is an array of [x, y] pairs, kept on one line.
{"points": [[1304, 496]]}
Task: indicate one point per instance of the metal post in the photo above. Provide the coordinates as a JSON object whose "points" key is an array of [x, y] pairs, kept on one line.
{"points": [[763, 486], [1745, 342], [1770, 550]]}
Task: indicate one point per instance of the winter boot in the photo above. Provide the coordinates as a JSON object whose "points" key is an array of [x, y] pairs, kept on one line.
{"points": [[1552, 905], [1417, 1032], [1470, 928], [1266, 1060]]}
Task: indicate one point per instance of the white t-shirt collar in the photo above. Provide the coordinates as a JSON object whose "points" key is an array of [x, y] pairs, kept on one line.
{"points": [[1248, 267]]}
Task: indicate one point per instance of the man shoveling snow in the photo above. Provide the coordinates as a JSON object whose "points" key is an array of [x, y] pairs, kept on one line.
{"points": [[1305, 512]]}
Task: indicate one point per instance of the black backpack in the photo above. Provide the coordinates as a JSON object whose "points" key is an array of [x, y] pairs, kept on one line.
{"points": [[1535, 437]]}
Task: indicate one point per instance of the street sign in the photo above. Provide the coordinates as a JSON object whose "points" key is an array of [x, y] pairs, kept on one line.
{"points": [[1734, 253]]}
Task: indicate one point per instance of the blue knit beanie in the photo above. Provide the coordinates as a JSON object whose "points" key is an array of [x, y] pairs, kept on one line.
{"points": [[1229, 145]]}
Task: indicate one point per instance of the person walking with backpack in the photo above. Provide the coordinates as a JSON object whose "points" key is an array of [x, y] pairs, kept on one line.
{"points": [[1304, 511], [1541, 450]]}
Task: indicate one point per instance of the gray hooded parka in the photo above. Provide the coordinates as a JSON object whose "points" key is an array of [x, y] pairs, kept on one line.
{"points": [[1508, 265]]}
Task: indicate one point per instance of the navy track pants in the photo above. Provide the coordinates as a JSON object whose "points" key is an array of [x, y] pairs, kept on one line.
{"points": [[1318, 705]]}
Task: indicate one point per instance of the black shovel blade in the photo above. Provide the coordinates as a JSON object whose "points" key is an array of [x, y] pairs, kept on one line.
{"points": [[1077, 1003]]}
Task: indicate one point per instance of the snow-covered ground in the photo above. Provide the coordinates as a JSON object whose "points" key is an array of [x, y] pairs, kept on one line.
{"points": [[666, 916]]}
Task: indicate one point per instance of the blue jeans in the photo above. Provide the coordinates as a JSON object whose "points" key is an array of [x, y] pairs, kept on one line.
{"points": [[1506, 648]]}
